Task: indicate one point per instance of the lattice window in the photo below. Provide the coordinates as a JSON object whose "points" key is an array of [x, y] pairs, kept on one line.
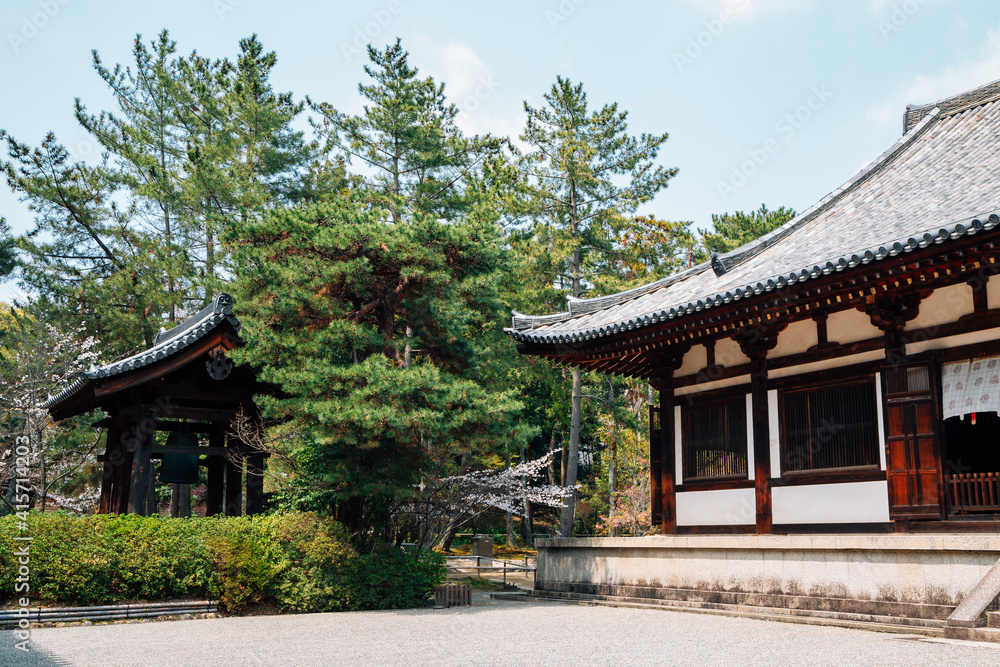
{"points": [[829, 427], [714, 440]]}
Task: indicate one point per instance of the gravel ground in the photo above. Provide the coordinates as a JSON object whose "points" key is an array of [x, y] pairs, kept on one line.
{"points": [[515, 633]]}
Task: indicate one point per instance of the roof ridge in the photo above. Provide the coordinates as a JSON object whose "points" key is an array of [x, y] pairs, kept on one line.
{"points": [[949, 231], [577, 306], [164, 344], [950, 106], [723, 263]]}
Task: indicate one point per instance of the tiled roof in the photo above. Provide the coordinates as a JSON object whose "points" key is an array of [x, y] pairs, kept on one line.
{"points": [[940, 181], [165, 344]]}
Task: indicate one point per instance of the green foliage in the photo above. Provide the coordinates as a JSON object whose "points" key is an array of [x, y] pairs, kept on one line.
{"points": [[300, 562], [585, 174], [333, 297], [8, 258], [417, 160], [731, 230], [189, 147]]}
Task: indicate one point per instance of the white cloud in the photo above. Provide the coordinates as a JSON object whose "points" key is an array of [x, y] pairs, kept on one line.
{"points": [[750, 9], [925, 88], [471, 86]]}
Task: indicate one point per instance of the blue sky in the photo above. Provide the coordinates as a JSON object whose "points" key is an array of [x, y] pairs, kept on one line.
{"points": [[766, 101]]}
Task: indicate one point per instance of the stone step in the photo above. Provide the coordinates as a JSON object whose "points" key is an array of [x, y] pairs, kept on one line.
{"points": [[931, 627], [652, 595], [991, 634], [993, 619]]}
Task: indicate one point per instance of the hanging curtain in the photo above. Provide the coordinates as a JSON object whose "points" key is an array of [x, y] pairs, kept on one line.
{"points": [[971, 386]]}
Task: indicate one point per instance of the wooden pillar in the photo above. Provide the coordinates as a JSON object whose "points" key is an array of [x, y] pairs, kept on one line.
{"points": [[151, 507], [668, 494], [234, 479], [761, 443], [255, 483], [756, 342], [112, 460], [216, 476], [144, 436]]}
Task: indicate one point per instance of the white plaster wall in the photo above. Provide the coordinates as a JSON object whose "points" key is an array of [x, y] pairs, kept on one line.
{"points": [[797, 337], [695, 360], [773, 432], [731, 507], [708, 386], [854, 502], [881, 420], [837, 362], [993, 293], [944, 305], [953, 341], [728, 353], [849, 326], [678, 447]]}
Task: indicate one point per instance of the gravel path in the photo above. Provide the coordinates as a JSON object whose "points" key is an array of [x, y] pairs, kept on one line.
{"points": [[499, 633]]}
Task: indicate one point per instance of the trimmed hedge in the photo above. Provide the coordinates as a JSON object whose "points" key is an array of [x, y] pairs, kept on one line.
{"points": [[298, 561]]}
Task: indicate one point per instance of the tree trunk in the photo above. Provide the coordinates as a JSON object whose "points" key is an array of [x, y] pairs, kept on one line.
{"points": [[43, 486], [527, 504], [510, 515], [611, 488], [572, 458], [451, 531], [552, 458]]}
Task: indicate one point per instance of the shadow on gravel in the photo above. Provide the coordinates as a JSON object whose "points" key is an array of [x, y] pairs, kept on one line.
{"points": [[35, 657]]}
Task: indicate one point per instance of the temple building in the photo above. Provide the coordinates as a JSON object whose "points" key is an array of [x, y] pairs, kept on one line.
{"points": [[840, 374], [185, 386]]}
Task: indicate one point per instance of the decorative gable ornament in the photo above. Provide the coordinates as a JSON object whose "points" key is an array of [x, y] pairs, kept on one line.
{"points": [[218, 366]]}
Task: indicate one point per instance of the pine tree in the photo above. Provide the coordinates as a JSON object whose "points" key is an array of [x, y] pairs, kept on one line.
{"points": [[731, 230], [585, 172], [8, 253], [416, 159], [323, 291], [191, 147]]}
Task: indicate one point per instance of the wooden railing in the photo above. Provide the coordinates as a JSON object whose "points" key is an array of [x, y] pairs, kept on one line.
{"points": [[975, 491]]}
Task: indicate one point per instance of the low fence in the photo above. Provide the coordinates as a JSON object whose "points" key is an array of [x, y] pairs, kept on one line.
{"points": [[11, 617], [504, 566], [452, 595]]}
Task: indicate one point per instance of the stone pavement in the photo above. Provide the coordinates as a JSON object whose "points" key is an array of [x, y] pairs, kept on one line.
{"points": [[490, 632]]}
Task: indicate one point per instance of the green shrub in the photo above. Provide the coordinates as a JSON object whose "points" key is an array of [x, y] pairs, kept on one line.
{"points": [[298, 561]]}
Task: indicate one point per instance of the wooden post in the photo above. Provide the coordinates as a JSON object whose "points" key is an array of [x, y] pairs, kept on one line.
{"points": [[663, 479], [151, 508], [145, 433], [112, 444], [668, 494], [756, 342], [761, 443], [216, 476], [255, 483], [234, 479]]}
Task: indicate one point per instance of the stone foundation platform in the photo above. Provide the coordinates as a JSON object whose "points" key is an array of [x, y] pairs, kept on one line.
{"points": [[912, 575]]}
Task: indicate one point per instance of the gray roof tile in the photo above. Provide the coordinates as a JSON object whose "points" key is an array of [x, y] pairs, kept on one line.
{"points": [[940, 181]]}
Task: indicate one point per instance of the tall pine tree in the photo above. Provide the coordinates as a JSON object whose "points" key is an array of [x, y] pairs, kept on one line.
{"points": [[584, 172]]}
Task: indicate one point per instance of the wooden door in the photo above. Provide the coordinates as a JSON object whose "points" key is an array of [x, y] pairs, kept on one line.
{"points": [[913, 448]]}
